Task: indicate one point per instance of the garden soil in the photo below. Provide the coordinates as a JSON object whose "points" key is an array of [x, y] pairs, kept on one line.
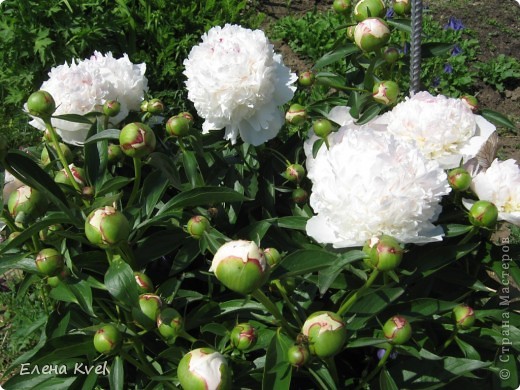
{"points": [[496, 24]]}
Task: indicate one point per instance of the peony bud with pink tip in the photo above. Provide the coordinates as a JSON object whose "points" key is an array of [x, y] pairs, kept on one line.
{"points": [[386, 92], [204, 369], [397, 330], [371, 34], [325, 332], [137, 140], [106, 227], [369, 9]]}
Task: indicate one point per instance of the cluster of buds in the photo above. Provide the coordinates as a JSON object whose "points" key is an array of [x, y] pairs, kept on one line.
{"points": [[137, 140], [152, 106], [204, 368], [169, 324], [325, 333]]}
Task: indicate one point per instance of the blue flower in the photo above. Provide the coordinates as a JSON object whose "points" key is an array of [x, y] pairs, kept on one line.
{"points": [[456, 50], [436, 81], [454, 24], [448, 68], [381, 353], [390, 13]]}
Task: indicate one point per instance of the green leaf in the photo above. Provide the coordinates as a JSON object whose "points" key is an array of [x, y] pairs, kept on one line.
{"points": [[292, 222], [103, 135], [460, 366], [277, 370], [153, 190], [454, 230], [75, 291], [385, 380], [120, 282], [304, 261], [435, 49], [113, 185], [467, 349], [369, 113], [400, 24], [158, 244], [497, 118], [365, 342], [192, 170], [331, 80], [74, 118], [17, 261], [327, 276], [167, 166], [117, 374], [335, 55], [316, 147]]}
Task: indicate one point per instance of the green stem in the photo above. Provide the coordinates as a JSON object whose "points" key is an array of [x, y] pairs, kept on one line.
{"points": [[130, 359], [279, 155], [331, 365], [137, 181], [378, 367], [289, 302], [107, 311], [44, 299], [139, 349], [469, 235], [353, 298], [273, 309], [187, 336], [449, 340]]}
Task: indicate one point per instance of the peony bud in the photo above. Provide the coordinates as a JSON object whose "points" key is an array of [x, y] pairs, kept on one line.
{"points": [[483, 214], [307, 78], [178, 126], [322, 127], [106, 227], [49, 261], [240, 266], [385, 253], [391, 54], [325, 332], [54, 281], [155, 106], [107, 339], [137, 140], [46, 160], [272, 256], [397, 330], [144, 283], [402, 7], [169, 324], [111, 108], [298, 355], [197, 225], [350, 33], [341, 6], [243, 336], [299, 196], [386, 92], [464, 316], [459, 179], [115, 154], [144, 106], [371, 34], [204, 369], [294, 173], [47, 233], [369, 9], [296, 115], [25, 204], [471, 101], [150, 305], [41, 104], [78, 174]]}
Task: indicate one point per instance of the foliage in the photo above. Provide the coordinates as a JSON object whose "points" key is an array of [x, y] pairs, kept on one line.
{"points": [[499, 71]]}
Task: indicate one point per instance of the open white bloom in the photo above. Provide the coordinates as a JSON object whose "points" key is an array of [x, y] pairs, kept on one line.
{"points": [[237, 82], [84, 86], [445, 129], [369, 184], [500, 185]]}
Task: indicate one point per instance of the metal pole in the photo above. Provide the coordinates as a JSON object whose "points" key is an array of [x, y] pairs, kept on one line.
{"points": [[415, 50]]}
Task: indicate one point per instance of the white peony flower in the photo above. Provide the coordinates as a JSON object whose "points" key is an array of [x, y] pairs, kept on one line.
{"points": [[369, 183], [237, 82], [84, 86], [445, 129], [204, 368], [500, 185]]}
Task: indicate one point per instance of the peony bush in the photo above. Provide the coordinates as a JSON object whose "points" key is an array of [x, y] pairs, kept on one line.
{"points": [[274, 237]]}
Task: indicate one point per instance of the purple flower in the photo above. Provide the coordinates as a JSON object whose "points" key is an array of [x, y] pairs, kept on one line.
{"points": [[405, 49], [456, 50], [390, 13], [448, 68], [454, 24], [436, 81], [381, 353]]}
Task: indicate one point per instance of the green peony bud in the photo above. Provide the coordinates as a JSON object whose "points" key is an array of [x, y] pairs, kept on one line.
{"points": [[107, 339], [49, 261], [137, 140], [178, 126], [325, 332], [46, 159], [144, 106], [240, 266], [391, 54], [203, 369], [385, 253], [47, 233], [369, 9], [111, 108], [371, 34], [464, 316], [294, 173], [155, 106], [54, 281], [272, 256], [144, 283], [78, 175], [115, 154], [350, 33], [296, 115], [322, 127], [169, 324], [41, 104], [397, 330], [459, 179], [307, 78], [150, 305], [386, 92], [402, 7], [197, 225], [342, 6], [298, 355], [300, 196], [471, 101], [25, 204], [483, 214], [243, 336], [106, 227]]}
